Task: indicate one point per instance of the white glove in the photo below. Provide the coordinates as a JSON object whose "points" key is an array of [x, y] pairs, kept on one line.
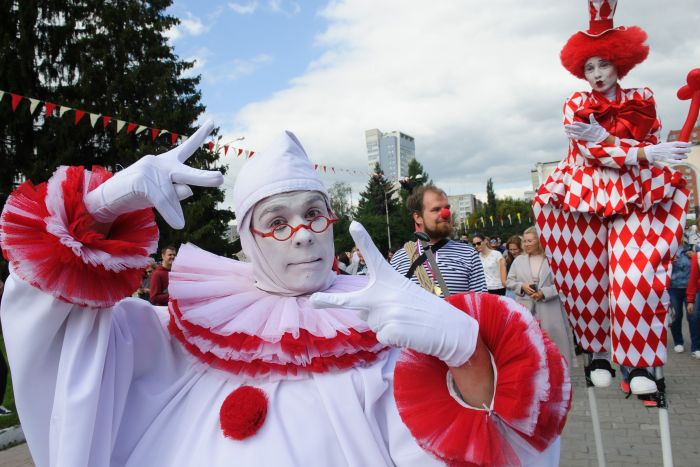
{"points": [[154, 181], [675, 151], [401, 313], [593, 132]]}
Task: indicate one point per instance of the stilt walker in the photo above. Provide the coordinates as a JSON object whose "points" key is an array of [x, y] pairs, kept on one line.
{"points": [[611, 215]]}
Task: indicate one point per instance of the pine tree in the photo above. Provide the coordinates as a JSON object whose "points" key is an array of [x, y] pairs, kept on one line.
{"points": [[340, 193], [104, 57], [376, 203]]}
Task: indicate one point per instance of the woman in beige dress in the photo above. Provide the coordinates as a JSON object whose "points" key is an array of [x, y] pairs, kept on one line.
{"points": [[531, 280]]}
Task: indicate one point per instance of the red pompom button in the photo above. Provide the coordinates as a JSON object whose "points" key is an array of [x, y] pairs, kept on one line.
{"points": [[243, 412]]}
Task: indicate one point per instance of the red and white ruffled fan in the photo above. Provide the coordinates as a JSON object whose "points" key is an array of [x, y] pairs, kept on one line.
{"points": [[531, 400]]}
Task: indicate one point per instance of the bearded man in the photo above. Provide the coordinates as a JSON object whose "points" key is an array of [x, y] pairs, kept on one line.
{"points": [[458, 262]]}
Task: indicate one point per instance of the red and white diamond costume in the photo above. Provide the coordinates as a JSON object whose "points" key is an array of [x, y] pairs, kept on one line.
{"points": [[610, 229], [105, 380]]}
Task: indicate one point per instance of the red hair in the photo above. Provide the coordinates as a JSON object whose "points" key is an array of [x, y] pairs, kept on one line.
{"points": [[625, 48]]}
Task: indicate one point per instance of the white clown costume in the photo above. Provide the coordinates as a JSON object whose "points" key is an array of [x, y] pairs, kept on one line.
{"points": [[239, 371], [611, 220]]}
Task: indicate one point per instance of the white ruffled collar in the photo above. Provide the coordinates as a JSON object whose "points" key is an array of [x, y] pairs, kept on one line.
{"points": [[221, 317]]}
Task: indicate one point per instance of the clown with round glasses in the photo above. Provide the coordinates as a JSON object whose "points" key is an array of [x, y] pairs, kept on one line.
{"points": [[276, 362]]}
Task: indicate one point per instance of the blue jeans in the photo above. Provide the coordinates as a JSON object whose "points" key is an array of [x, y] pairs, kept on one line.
{"points": [[677, 297]]}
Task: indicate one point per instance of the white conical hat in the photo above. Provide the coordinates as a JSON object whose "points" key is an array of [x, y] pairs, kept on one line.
{"points": [[281, 167]]}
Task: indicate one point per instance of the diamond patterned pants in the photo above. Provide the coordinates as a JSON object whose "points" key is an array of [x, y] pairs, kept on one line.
{"points": [[616, 267]]}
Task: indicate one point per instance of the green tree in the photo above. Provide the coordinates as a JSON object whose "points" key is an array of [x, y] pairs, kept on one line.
{"points": [[378, 202], [340, 193], [491, 205], [110, 58]]}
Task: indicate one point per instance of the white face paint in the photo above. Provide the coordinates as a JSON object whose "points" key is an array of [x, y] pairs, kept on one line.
{"points": [[600, 74], [303, 262]]}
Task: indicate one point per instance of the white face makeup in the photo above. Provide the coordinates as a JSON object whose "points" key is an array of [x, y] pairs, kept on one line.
{"points": [[303, 262], [600, 74]]}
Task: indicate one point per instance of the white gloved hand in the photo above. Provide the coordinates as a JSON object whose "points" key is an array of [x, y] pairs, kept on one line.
{"points": [[401, 313], [675, 151], [593, 132], [154, 181]]}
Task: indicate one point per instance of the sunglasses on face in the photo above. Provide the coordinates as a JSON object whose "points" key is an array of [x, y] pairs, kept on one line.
{"points": [[477, 243]]}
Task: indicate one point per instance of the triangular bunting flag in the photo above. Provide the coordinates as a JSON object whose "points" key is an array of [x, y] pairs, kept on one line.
{"points": [[154, 133], [141, 129], [225, 149], [105, 121], [120, 125], [251, 154], [324, 168], [239, 152], [210, 146], [49, 107], [315, 166], [62, 110], [79, 114], [130, 127], [93, 119], [2, 94], [32, 106], [173, 138], [16, 99], [333, 169]]}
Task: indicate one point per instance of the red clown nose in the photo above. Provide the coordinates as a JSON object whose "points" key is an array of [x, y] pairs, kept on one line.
{"points": [[445, 213]]}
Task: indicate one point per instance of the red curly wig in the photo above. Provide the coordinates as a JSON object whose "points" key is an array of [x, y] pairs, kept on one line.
{"points": [[625, 48]]}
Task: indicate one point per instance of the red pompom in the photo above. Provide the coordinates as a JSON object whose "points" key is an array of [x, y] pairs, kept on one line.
{"points": [[243, 412]]}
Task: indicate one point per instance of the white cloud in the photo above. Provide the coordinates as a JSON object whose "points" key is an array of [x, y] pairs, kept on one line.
{"points": [[479, 85], [189, 26], [289, 8], [244, 9]]}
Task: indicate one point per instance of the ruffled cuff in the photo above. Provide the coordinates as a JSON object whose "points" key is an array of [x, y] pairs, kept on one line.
{"points": [[52, 242], [530, 404]]}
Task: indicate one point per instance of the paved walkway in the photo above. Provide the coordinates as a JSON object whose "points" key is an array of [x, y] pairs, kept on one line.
{"points": [[630, 431]]}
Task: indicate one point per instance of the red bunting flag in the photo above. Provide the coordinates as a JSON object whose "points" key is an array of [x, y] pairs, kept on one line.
{"points": [[225, 149], [154, 133], [324, 168], [16, 99], [251, 154], [210, 146], [173, 138], [333, 169], [78, 115], [49, 107], [130, 127], [315, 166], [239, 152], [105, 121]]}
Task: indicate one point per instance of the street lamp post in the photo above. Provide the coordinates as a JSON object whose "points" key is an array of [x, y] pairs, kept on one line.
{"points": [[386, 208]]}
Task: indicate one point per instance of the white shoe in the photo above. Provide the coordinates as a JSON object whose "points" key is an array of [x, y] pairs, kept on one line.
{"points": [[678, 349], [696, 354], [640, 385], [601, 378]]}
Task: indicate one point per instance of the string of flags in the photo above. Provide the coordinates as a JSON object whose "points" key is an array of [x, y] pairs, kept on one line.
{"points": [[52, 110], [482, 220]]}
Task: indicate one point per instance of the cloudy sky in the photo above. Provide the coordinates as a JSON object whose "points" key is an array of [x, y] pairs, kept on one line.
{"points": [[478, 84]]}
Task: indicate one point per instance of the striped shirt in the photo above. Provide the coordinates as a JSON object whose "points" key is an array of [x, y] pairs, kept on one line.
{"points": [[458, 262]]}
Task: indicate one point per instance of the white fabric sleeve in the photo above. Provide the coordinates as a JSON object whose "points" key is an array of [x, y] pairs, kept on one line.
{"points": [[73, 368]]}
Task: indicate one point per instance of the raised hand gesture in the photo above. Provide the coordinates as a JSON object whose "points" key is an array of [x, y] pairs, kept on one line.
{"points": [[401, 313], [154, 181]]}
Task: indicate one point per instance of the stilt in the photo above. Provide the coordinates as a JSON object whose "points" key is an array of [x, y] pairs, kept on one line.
{"points": [[664, 427], [600, 453]]}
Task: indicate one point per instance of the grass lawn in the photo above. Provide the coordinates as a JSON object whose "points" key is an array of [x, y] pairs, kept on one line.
{"points": [[9, 402]]}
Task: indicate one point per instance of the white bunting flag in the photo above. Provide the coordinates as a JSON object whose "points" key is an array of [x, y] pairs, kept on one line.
{"points": [[120, 125], [62, 110], [34, 103], [141, 129], [94, 118]]}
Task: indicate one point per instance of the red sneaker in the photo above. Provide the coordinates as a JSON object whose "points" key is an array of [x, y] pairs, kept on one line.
{"points": [[625, 386]]}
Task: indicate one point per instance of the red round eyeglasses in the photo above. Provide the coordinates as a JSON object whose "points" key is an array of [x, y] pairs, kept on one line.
{"points": [[284, 232]]}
